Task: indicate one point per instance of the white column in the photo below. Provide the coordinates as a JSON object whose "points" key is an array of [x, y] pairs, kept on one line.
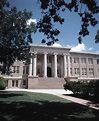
{"points": [[68, 65], [34, 65], [65, 66], [45, 64], [30, 67], [55, 65]]}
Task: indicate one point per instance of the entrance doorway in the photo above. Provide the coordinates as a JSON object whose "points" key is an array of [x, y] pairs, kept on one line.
{"points": [[49, 72]]}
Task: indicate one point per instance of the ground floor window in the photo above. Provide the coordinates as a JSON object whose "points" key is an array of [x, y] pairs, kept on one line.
{"points": [[24, 82], [7, 83], [14, 83]]}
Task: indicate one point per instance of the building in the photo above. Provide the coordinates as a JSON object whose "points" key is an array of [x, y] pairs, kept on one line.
{"points": [[50, 66]]}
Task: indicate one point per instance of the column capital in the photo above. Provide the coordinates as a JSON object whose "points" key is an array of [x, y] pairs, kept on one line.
{"points": [[55, 53], [35, 52], [45, 53], [68, 54], [65, 54]]}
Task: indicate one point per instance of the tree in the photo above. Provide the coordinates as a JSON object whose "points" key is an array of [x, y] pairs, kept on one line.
{"points": [[15, 34], [97, 37], [51, 14]]}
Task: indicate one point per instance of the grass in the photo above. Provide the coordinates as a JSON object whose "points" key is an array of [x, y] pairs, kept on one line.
{"points": [[28, 106]]}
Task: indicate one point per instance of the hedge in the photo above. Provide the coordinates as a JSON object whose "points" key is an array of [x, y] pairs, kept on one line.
{"points": [[2, 83], [85, 88]]}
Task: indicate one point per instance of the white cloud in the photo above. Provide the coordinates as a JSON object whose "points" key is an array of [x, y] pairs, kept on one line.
{"points": [[56, 45], [79, 48], [70, 46], [30, 21], [91, 48]]}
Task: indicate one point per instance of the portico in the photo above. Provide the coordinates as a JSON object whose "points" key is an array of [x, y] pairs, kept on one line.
{"points": [[48, 62]]}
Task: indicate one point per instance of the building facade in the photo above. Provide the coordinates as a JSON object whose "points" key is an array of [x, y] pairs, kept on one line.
{"points": [[50, 66]]}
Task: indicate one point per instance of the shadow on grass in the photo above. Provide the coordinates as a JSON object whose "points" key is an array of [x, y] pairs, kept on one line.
{"points": [[45, 110], [4, 95]]}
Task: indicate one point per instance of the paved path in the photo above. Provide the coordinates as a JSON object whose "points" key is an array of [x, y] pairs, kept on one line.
{"points": [[59, 93], [80, 101]]}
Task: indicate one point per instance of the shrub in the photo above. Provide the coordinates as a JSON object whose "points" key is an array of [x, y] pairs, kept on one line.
{"points": [[96, 91], [2, 83], [80, 87], [86, 89]]}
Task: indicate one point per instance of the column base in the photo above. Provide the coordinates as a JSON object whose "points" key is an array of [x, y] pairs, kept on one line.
{"points": [[55, 76], [32, 81], [45, 76]]}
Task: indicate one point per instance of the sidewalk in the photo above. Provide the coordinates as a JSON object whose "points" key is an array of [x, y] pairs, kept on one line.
{"points": [[80, 101], [59, 93]]}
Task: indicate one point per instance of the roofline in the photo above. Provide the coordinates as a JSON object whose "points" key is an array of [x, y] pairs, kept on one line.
{"points": [[89, 53], [37, 45]]}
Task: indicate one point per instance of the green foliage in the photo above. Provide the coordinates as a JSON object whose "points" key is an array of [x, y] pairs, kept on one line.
{"points": [[84, 88], [52, 9], [15, 34], [97, 37], [2, 83]]}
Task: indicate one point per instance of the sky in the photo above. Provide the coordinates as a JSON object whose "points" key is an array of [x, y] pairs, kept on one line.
{"points": [[68, 30]]}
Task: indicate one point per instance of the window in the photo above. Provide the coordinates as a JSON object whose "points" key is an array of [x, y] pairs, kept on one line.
{"points": [[49, 59], [24, 82], [25, 69], [90, 61], [97, 61], [12, 83], [98, 71], [76, 70], [58, 59], [84, 71], [16, 69], [38, 71], [76, 60], [91, 71], [16, 83], [38, 58], [58, 71], [70, 59], [71, 71], [83, 60], [7, 83]]}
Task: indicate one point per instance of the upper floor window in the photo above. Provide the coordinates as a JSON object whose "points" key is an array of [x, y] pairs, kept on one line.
{"points": [[76, 70], [71, 71], [97, 61], [25, 69], [70, 59], [83, 60], [98, 71], [49, 59], [90, 61], [16, 69], [84, 71], [91, 71], [38, 58], [76, 60]]}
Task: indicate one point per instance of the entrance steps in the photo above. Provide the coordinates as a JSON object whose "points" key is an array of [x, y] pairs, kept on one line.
{"points": [[49, 83]]}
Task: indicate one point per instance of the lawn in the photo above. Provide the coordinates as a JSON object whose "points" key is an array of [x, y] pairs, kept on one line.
{"points": [[28, 106]]}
